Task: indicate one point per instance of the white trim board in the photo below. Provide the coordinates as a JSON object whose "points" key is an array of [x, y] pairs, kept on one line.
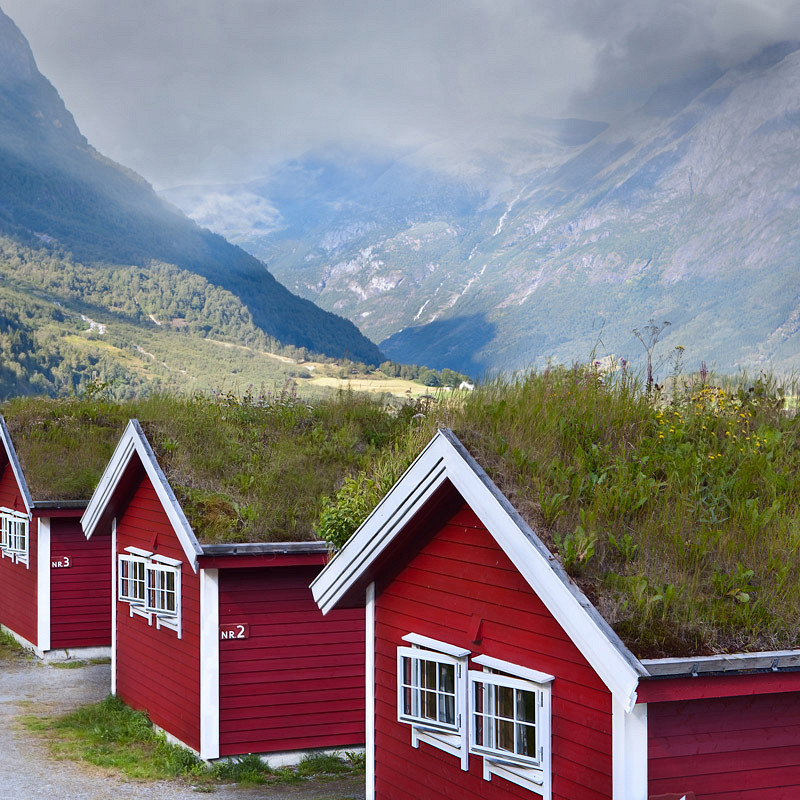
{"points": [[114, 590], [209, 664], [369, 706], [134, 442], [446, 459], [43, 583]]}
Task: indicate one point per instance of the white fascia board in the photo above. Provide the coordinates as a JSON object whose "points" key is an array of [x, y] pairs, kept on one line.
{"points": [[16, 468], [376, 533], [134, 441], [445, 458]]}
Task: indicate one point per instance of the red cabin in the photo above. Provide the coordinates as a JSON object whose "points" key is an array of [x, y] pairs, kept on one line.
{"points": [[491, 675], [222, 644], [55, 587]]}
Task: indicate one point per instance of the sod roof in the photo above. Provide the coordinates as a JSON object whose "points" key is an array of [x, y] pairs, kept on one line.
{"points": [[679, 517], [243, 470]]}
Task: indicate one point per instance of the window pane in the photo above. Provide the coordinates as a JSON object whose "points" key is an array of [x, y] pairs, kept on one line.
{"points": [[526, 740], [505, 702], [447, 678], [428, 680], [429, 705], [526, 706]]}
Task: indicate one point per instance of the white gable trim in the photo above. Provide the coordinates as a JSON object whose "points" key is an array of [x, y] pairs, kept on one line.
{"points": [[16, 468], [445, 458], [134, 442]]}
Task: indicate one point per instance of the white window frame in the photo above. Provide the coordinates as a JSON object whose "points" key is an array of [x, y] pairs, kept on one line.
{"points": [[157, 593], [152, 604], [126, 564], [449, 737], [530, 772], [14, 536]]}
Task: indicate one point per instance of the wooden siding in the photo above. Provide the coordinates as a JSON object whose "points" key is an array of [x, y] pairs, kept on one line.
{"points": [[732, 748], [80, 595], [18, 583], [297, 681], [156, 671], [458, 572]]}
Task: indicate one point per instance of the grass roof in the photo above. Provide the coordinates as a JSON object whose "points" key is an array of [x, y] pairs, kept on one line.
{"points": [[63, 445], [250, 469], [679, 518]]}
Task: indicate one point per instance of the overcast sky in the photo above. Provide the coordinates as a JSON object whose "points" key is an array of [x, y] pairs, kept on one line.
{"points": [[191, 91]]}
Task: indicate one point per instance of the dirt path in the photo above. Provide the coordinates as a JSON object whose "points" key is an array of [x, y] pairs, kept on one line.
{"points": [[29, 772]]}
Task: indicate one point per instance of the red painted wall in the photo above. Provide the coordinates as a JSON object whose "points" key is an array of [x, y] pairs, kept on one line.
{"points": [[731, 748], [297, 682], [80, 595], [458, 572], [18, 582], [156, 671]]}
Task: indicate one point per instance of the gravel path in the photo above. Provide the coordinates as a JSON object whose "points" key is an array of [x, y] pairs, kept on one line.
{"points": [[29, 772]]}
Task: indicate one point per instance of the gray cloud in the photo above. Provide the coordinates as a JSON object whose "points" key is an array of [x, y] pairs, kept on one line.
{"points": [[211, 90]]}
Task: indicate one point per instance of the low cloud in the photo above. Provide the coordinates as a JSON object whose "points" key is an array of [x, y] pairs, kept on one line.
{"points": [[200, 90]]}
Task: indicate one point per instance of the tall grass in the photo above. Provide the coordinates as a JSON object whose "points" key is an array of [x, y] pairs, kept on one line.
{"points": [[679, 516], [245, 468]]}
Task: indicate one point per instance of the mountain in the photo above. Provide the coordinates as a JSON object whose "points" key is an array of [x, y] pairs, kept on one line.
{"points": [[566, 235], [83, 235]]}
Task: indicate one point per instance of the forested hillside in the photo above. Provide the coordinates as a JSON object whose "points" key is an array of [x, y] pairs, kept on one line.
{"points": [[80, 234]]}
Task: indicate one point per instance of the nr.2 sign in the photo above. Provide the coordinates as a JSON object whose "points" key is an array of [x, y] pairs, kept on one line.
{"points": [[238, 630]]}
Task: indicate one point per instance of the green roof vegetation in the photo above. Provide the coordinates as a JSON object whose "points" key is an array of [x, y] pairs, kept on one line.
{"points": [[679, 516], [250, 468]]}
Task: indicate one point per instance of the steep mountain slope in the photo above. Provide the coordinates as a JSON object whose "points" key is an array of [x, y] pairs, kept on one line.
{"points": [[567, 237], [62, 201]]}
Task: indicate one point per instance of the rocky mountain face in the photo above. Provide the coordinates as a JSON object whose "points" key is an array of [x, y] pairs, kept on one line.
{"points": [[63, 201], [564, 237]]}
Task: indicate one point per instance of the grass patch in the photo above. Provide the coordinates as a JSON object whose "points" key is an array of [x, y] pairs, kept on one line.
{"points": [[77, 664], [109, 734], [10, 648], [112, 735]]}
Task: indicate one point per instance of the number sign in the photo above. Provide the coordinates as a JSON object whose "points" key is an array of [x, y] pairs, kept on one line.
{"points": [[237, 630]]}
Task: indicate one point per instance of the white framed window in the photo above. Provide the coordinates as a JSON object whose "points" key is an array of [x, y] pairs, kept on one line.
{"points": [[427, 688], [510, 723], [150, 584], [431, 694], [131, 579], [14, 529], [162, 593]]}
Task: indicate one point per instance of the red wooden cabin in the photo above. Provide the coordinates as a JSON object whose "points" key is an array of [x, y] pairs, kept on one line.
{"points": [[55, 587], [222, 644], [491, 675]]}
